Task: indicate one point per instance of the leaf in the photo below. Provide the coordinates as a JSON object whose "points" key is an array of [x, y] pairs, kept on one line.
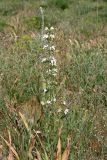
{"points": [[45, 154], [10, 156], [66, 153], [24, 121], [58, 154], [31, 145]]}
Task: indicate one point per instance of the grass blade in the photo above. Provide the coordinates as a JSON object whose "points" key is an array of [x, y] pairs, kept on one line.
{"points": [[11, 148]]}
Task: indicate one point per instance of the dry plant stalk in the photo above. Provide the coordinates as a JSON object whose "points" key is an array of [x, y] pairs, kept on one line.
{"points": [[66, 153], [12, 151]]}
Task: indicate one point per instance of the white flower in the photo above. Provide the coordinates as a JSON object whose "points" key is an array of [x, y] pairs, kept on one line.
{"points": [[52, 28], [52, 36], [45, 36], [52, 48], [48, 102], [64, 102], [38, 132], [47, 71], [53, 61], [45, 46], [46, 28], [54, 99], [54, 74], [54, 70], [42, 103], [66, 111], [45, 90], [44, 60]]}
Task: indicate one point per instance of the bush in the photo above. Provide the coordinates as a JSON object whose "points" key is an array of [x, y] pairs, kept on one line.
{"points": [[63, 4]]}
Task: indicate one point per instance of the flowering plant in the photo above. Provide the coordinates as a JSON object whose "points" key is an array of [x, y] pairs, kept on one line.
{"points": [[49, 68]]}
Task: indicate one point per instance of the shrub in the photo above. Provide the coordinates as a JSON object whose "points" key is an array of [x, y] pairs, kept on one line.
{"points": [[63, 4]]}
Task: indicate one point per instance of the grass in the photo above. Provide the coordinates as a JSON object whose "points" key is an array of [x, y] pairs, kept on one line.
{"points": [[29, 130]]}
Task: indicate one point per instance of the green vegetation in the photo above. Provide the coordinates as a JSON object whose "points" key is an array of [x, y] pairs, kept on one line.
{"points": [[30, 130]]}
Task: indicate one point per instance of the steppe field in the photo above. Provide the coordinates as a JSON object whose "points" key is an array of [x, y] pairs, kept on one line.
{"points": [[53, 79]]}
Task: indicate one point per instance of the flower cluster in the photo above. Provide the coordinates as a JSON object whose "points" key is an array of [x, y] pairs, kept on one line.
{"points": [[46, 36], [49, 68], [66, 111]]}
